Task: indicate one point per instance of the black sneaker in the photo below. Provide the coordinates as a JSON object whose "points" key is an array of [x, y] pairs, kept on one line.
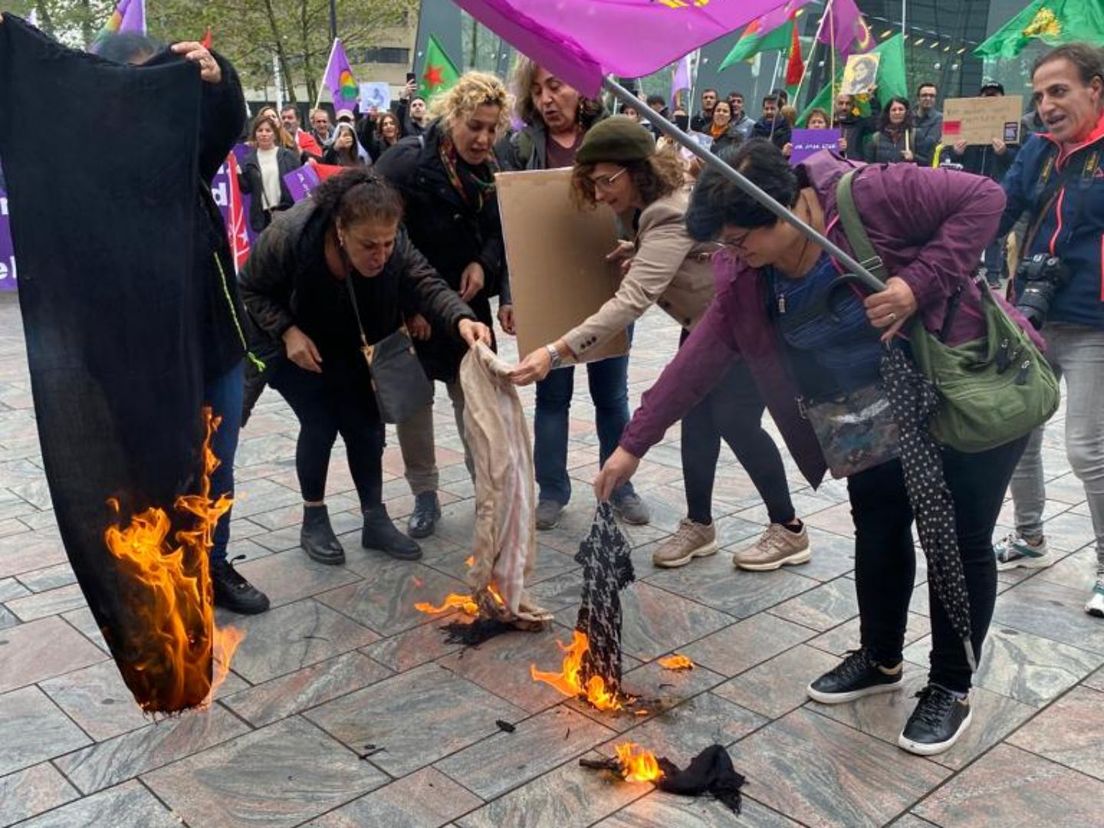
{"points": [[380, 533], [233, 592], [856, 676], [427, 511], [939, 719]]}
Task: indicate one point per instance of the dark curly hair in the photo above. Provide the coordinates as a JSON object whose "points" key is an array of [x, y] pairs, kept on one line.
{"points": [[654, 177], [356, 195], [716, 201]]}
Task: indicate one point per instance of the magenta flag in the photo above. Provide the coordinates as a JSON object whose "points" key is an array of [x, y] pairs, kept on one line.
{"points": [[580, 41], [845, 28]]}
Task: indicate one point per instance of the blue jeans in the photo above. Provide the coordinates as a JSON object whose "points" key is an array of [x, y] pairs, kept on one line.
{"points": [[224, 396], [609, 389]]}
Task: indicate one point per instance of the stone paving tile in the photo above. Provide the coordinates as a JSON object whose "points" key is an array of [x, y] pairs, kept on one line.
{"points": [[311, 686], [51, 577], [743, 645], [288, 638], [884, 715], [413, 647], [98, 700], [32, 791], [450, 714], [123, 757], [1015, 789], [1051, 611], [281, 775], [7, 618], [822, 608], [288, 576], [824, 773], [425, 799], [670, 811], [1023, 666], [505, 761], [1096, 680], [657, 621], [19, 555], [833, 555], [42, 649], [715, 582], [129, 805], [501, 665], [776, 687], [566, 797], [846, 636], [1070, 732], [83, 621], [52, 602], [1077, 571], [33, 730], [12, 588]]}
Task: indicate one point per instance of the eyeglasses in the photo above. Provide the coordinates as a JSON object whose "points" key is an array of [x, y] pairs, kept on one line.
{"points": [[605, 182], [737, 242]]}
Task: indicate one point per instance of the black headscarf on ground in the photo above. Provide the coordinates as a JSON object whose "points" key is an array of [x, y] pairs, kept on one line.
{"points": [[103, 214]]}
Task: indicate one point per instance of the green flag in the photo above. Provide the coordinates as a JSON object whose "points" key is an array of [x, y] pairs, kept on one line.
{"points": [[1052, 21], [892, 81], [439, 73], [755, 40]]}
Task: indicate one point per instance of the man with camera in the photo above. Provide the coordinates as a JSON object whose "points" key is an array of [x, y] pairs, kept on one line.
{"points": [[1057, 179]]}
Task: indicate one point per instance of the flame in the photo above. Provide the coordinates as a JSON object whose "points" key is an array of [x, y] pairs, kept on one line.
{"points": [[469, 561], [637, 764], [175, 656], [465, 603], [569, 682], [676, 661]]}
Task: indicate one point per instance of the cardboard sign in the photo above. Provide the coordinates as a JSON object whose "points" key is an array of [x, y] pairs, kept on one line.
{"points": [[861, 74], [557, 258], [807, 141], [980, 120], [375, 97]]}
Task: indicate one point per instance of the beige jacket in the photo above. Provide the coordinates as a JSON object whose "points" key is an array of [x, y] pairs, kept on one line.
{"points": [[669, 269]]}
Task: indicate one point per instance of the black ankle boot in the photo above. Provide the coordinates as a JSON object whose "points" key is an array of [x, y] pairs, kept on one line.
{"points": [[317, 537], [380, 533], [233, 592], [427, 511]]}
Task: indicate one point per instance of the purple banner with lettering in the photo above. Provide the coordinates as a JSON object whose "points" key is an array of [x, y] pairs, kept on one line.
{"points": [[300, 182], [7, 252], [220, 189], [807, 141]]}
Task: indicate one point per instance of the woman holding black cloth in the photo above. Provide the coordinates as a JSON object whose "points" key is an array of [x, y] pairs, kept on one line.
{"points": [[306, 330]]}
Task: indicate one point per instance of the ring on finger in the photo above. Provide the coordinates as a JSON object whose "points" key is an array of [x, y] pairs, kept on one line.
{"points": [[892, 316]]}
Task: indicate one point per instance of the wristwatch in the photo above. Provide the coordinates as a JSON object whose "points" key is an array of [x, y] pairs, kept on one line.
{"points": [[554, 355]]}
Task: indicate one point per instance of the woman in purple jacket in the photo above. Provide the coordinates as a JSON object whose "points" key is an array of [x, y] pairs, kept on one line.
{"points": [[929, 226]]}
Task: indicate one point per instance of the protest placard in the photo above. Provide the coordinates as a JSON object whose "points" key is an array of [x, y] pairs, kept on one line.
{"points": [[980, 120], [807, 141], [375, 96]]}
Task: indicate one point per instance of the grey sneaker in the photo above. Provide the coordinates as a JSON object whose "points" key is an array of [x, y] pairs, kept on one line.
{"points": [[631, 509], [1016, 550], [1095, 606], [548, 514], [776, 547], [692, 540]]}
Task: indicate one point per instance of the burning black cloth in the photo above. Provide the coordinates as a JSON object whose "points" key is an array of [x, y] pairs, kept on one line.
{"points": [[607, 569], [711, 771], [103, 218]]}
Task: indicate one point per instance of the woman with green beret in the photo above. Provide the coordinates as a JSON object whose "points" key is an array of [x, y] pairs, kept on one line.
{"points": [[618, 166]]}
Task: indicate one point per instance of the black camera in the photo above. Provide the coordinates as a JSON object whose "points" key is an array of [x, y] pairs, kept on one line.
{"points": [[1042, 276]]}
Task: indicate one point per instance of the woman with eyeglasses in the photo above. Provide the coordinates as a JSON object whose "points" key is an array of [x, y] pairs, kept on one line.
{"points": [[618, 166]]}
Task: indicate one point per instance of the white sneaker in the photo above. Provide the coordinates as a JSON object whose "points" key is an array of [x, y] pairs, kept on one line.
{"points": [[1016, 550], [1095, 606]]}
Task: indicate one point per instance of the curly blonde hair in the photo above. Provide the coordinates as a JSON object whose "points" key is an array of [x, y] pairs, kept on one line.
{"points": [[471, 91]]}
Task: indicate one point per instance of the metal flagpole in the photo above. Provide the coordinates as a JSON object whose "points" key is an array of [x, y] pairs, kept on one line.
{"points": [[717, 165], [812, 51], [832, 68], [322, 85]]}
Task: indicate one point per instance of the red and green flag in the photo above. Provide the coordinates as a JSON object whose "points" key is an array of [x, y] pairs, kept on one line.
{"points": [[439, 73], [1052, 21], [773, 31], [795, 66]]}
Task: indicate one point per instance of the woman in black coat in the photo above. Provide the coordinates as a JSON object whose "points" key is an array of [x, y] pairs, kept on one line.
{"points": [[296, 289], [446, 177], [262, 173]]}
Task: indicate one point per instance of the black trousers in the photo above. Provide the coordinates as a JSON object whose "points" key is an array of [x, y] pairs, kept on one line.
{"points": [[733, 410], [885, 560], [327, 406]]}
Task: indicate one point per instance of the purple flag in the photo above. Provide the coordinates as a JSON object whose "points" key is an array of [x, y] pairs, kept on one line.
{"points": [[300, 182], [7, 252], [680, 80], [845, 28], [580, 41], [339, 79]]}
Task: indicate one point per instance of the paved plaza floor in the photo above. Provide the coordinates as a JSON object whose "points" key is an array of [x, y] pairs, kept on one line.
{"points": [[343, 661]]}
